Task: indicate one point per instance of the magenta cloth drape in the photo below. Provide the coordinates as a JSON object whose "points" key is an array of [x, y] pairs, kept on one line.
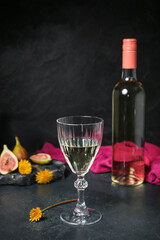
{"points": [[103, 160]]}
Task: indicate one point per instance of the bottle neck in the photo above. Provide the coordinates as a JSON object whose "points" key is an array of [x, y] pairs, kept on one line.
{"points": [[129, 74]]}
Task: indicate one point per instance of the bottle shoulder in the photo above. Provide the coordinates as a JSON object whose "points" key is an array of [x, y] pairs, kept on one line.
{"points": [[134, 84]]}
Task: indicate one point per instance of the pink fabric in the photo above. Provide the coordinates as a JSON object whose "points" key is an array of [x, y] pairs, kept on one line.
{"points": [[126, 150], [103, 160]]}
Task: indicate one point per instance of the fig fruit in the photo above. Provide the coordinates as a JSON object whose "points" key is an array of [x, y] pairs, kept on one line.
{"points": [[20, 151], [41, 158], [8, 161]]}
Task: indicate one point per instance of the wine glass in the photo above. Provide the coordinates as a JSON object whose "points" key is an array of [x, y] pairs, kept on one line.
{"points": [[80, 138]]}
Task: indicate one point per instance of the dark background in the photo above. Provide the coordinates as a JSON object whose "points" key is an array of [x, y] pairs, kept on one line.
{"points": [[64, 57]]}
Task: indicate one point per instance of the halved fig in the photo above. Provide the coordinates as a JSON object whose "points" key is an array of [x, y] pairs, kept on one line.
{"points": [[41, 158], [8, 161]]}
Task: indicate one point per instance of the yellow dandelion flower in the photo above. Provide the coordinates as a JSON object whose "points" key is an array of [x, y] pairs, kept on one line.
{"points": [[44, 176], [25, 167], [35, 214]]}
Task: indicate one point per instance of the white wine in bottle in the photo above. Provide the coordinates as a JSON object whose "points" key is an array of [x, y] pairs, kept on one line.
{"points": [[128, 120]]}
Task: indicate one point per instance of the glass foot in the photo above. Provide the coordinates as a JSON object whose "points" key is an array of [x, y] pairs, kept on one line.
{"points": [[70, 218]]}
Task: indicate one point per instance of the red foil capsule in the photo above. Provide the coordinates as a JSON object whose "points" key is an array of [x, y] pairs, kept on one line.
{"points": [[129, 53]]}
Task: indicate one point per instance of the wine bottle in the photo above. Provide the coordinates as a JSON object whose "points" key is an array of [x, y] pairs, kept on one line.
{"points": [[128, 120]]}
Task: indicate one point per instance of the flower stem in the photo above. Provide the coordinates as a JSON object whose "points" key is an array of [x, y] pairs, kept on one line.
{"points": [[60, 203], [37, 168]]}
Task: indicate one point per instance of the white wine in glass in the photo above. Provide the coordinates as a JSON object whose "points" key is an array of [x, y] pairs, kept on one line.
{"points": [[80, 138]]}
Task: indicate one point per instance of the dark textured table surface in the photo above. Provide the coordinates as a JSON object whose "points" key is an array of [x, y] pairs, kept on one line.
{"points": [[128, 212]]}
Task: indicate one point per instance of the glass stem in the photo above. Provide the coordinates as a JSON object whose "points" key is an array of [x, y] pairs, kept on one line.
{"points": [[81, 209]]}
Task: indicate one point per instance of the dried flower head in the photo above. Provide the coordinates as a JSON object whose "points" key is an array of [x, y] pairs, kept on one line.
{"points": [[25, 167], [44, 176], [35, 214]]}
